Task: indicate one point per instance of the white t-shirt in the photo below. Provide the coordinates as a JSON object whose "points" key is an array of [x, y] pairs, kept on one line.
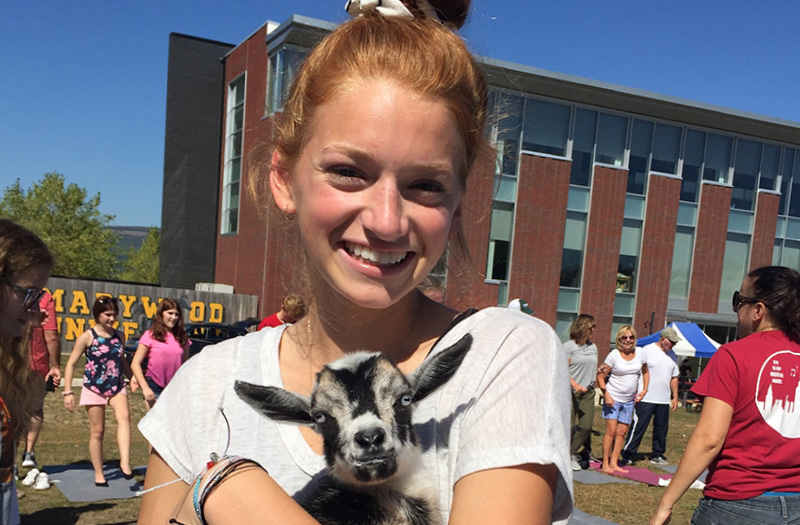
{"points": [[508, 404], [624, 380], [662, 369]]}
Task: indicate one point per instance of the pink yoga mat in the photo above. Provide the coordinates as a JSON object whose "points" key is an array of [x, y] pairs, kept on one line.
{"points": [[642, 475]]}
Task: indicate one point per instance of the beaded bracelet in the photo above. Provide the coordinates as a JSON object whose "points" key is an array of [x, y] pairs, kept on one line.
{"points": [[217, 472]]}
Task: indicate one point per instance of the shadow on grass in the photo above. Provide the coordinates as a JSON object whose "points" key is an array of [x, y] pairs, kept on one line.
{"points": [[63, 515]]}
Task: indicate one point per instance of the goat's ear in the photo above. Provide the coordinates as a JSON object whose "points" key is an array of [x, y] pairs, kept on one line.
{"points": [[438, 369], [275, 403]]}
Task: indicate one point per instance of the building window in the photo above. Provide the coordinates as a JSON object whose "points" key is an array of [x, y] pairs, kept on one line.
{"points": [[666, 146], [682, 252], [745, 174], [505, 129], [694, 151], [500, 230], [546, 127], [639, 161], [737, 252], [233, 156], [572, 253], [583, 147], [770, 158], [284, 64], [612, 131], [717, 158], [790, 184]]}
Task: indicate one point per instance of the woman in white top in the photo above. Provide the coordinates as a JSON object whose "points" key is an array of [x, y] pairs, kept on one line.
{"points": [[382, 126], [622, 367]]}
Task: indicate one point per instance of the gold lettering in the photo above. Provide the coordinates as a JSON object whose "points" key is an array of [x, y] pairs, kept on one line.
{"points": [[197, 312], [215, 313], [127, 301], [58, 297], [129, 327], [150, 307], [74, 327], [78, 305]]}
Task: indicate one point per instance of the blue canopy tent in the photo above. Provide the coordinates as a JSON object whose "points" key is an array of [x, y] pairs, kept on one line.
{"points": [[694, 342]]}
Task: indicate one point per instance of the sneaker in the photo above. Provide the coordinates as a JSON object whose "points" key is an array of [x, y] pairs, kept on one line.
{"points": [[42, 481], [30, 478], [659, 460], [20, 494], [575, 463], [29, 460]]}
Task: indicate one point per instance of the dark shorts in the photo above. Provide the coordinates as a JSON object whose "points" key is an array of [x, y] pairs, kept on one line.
{"points": [[155, 387]]}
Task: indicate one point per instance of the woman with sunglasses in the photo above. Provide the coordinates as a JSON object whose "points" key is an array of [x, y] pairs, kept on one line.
{"points": [[748, 436], [618, 379], [103, 384], [25, 264]]}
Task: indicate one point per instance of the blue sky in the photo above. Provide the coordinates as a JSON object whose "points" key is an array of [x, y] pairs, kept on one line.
{"points": [[83, 87]]}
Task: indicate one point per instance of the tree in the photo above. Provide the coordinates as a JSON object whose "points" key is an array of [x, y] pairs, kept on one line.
{"points": [[69, 223], [142, 264]]}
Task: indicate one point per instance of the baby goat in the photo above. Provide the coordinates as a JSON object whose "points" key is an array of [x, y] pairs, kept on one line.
{"points": [[361, 405]]}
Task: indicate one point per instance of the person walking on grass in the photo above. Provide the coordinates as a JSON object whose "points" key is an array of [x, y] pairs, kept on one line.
{"points": [[582, 359], [45, 362], [622, 367], [166, 347], [661, 397], [103, 385]]}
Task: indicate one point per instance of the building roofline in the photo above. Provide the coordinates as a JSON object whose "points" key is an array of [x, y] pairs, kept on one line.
{"points": [[200, 39]]}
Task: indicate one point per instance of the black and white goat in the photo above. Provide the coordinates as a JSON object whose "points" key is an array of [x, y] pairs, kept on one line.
{"points": [[361, 405]]}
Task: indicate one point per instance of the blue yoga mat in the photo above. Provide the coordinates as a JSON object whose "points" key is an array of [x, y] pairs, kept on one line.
{"points": [[76, 482], [581, 518]]}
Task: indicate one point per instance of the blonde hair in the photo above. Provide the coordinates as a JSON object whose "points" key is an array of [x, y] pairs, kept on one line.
{"points": [[625, 328], [20, 249]]}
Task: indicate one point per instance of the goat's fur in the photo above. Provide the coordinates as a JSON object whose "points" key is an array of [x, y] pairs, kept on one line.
{"points": [[361, 405]]}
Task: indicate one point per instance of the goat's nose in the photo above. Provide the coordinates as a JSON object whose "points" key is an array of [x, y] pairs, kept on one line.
{"points": [[370, 438]]}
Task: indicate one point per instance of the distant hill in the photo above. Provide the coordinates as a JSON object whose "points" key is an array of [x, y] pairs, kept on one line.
{"points": [[130, 236]]}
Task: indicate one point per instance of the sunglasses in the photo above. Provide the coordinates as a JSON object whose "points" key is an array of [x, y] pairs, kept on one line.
{"points": [[32, 295], [626, 337], [739, 299], [107, 299]]}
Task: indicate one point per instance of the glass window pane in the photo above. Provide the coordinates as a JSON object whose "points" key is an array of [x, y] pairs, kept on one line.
{"points": [[734, 267], [634, 207], [583, 147], [638, 164], [794, 190], [776, 253], [693, 154], [793, 229], [718, 158], [575, 231], [578, 199], [546, 127], [631, 237], [769, 166], [687, 214], [786, 179], [745, 175], [507, 114], [681, 262], [623, 304], [790, 256], [563, 324], [665, 149], [740, 222], [568, 299], [497, 264], [505, 188], [502, 222], [611, 132]]}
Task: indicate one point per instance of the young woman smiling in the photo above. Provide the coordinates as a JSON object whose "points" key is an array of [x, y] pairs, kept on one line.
{"points": [[382, 127]]}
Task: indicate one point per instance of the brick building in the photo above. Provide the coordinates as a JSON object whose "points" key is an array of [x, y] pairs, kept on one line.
{"points": [[633, 207]]}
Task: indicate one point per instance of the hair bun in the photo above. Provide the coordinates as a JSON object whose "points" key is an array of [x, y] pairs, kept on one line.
{"points": [[449, 12]]}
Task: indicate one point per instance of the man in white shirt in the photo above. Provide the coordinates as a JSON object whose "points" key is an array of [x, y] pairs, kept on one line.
{"points": [[661, 396]]}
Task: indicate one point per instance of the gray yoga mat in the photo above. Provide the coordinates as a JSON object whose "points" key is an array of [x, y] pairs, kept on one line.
{"points": [[76, 482], [591, 477], [581, 518]]}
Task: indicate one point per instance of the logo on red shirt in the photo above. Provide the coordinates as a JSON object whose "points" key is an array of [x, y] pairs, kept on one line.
{"points": [[776, 393]]}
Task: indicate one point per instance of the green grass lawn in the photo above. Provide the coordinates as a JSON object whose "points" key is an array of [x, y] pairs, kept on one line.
{"points": [[634, 504], [64, 440]]}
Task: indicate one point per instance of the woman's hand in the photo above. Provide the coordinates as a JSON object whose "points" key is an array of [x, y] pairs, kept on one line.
{"points": [[661, 516], [148, 394], [134, 384], [608, 399], [69, 401], [640, 396], [580, 390]]}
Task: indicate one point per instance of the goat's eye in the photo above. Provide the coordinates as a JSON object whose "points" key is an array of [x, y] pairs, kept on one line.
{"points": [[405, 399], [320, 418]]}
